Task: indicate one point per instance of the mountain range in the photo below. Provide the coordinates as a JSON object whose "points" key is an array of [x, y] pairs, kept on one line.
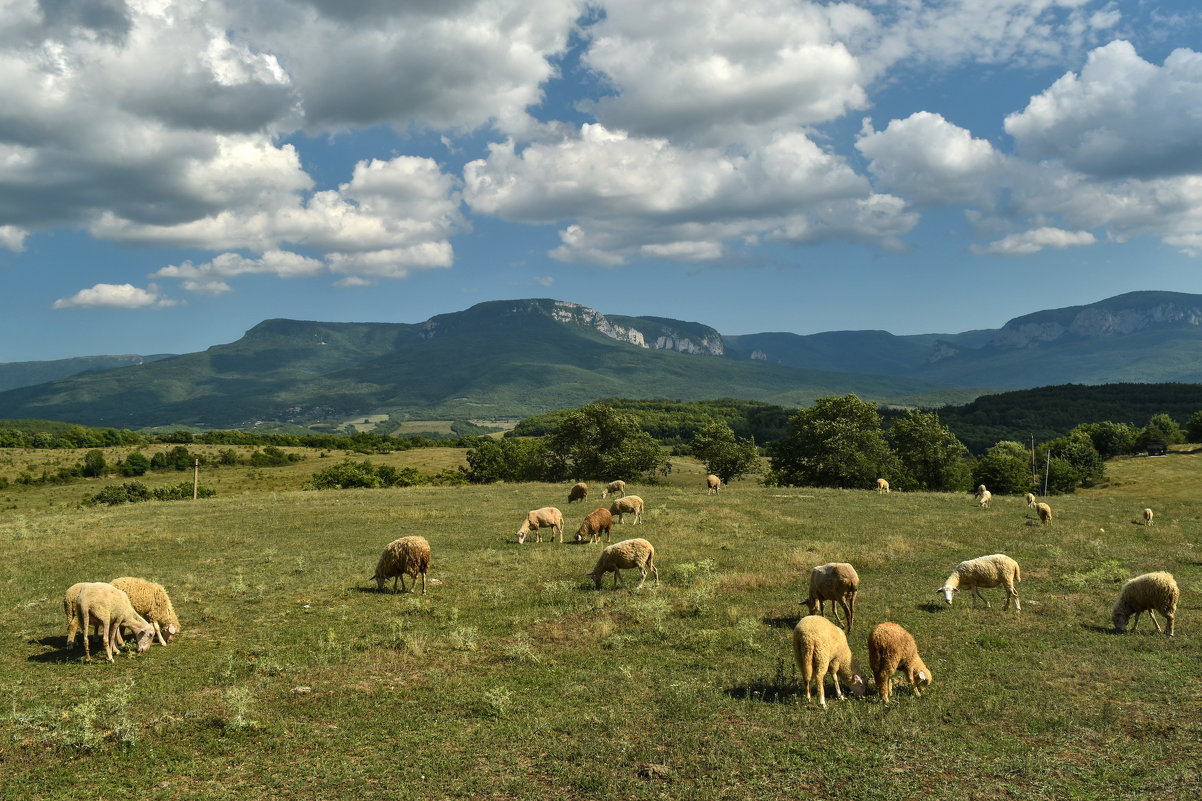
{"points": [[514, 358]]}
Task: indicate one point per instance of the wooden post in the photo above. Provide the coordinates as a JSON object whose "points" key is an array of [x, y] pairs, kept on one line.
{"points": [[195, 479]]}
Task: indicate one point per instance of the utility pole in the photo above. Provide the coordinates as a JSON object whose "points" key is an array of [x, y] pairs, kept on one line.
{"points": [[195, 479]]}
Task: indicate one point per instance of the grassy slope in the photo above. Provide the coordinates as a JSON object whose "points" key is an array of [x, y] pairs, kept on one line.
{"points": [[513, 679]]}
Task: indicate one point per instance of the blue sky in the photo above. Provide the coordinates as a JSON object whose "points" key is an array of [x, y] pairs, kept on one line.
{"points": [[172, 173]]}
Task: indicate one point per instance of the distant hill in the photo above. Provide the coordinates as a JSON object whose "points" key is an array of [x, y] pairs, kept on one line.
{"points": [[25, 374]]}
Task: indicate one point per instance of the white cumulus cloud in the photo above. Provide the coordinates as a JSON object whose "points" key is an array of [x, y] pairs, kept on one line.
{"points": [[1033, 241], [117, 296]]}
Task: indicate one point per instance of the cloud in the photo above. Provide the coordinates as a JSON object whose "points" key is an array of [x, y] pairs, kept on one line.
{"points": [[1122, 117], [117, 296], [12, 237], [1033, 241], [207, 277]]}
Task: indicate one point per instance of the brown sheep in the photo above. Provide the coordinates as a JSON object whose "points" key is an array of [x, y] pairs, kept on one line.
{"points": [[891, 648], [599, 522], [406, 556], [578, 492]]}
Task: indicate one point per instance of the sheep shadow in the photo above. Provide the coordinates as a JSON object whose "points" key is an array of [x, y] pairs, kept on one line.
{"points": [[1096, 629], [786, 622], [62, 652], [931, 607], [783, 687]]}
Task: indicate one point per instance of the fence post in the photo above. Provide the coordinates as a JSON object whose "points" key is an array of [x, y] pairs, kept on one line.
{"points": [[195, 479]]}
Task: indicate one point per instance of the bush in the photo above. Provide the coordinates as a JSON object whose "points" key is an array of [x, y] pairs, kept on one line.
{"points": [[136, 492], [350, 474]]}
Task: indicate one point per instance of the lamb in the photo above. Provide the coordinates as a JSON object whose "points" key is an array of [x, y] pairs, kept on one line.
{"points": [[151, 601], [891, 648], [820, 647], [99, 602], [836, 582], [598, 521], [405, 556], [984, 571], [578, 492], [713, 484], [630, 505], [614, 487], [538, 519], [1045, 513], [1151, 591], [1031, 499], [1147, 517], [623, 555], [882, 485]]}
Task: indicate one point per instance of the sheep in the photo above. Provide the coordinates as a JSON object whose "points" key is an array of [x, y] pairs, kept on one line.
{"points": [[538, 519], [820, 647], [1148, 517], [836, 582], [151, 601], [882, 485], [1045, 513], [712, 484], [630, 505], [984, 571], [104, 603], [598, 521], [405, 556], [1151, 591], [614, 487], [578, 492], [892, 648], [71, 609], [984, 498], [622, 555], [1031, 499]]}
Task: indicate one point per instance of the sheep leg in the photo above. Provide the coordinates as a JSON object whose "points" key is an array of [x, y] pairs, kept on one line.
{"points": [[72, 627], [1135, 622], [976, 592], [846, 611], [423, 582], [884, 685], [1155, 622], [87, 649], [617, 579], [158, 632], [1169, 616], [654, 570], [820, 676], [835, 609], [1013, 593], [644, 579]]}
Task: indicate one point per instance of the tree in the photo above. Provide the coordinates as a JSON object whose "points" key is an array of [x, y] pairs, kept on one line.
{"points": [[1193, 427], [599, 443], [1005, 469], [94, 464], [931, 456], [837, 442], [724, 456], [1160, 430], [1074, 462], [508, 459], [1109, 439], [136, 464]]}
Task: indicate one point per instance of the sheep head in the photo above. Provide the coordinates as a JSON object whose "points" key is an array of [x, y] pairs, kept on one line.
{"points": [[947, 592], [172, 630], [522, 535], [1119, 619], [145, 636], [857, 685]]}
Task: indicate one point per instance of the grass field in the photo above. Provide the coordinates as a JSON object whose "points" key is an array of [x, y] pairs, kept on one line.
{"points": [[513, 678]]}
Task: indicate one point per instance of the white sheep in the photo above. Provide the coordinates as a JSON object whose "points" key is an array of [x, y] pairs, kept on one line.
{"points": [[102, 602], [838, 583], [538, 519], [598, 522], [1031, 499], [891, 648], [622, 556], [1148, 517], [712, 484], [71, 610], [983, 497], [882, 485], [614, 487], [407, 556], [984, 571], [1151, 591], [578, 493], [150, 600], [630, 505], [820, 647], [1045, 513]]}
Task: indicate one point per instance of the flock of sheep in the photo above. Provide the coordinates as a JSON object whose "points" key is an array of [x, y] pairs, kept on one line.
{"points": [[819, 646]]}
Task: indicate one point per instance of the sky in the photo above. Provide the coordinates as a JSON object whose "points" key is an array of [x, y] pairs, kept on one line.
{"points": [[172, 173]]}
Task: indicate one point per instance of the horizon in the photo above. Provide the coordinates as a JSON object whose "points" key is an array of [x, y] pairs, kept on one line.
{"points": [[171, 176]]}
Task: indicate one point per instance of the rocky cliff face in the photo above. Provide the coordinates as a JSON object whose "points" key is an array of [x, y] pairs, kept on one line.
{"points": [[1094, 322], [654, 334]]}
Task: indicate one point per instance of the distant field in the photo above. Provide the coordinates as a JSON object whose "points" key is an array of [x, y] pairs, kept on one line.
{"points": [[512, 678]]}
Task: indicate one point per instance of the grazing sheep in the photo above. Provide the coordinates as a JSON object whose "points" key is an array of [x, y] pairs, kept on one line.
{"points": [[984, 497], [614, 487], [578, 492], [1031, 499], [984, 571], [630, 505], [891, 648], [1151, 591], [712, 484], [1148, 517], [820, 647], [71, 609], [836, 582], [538, 519], [1045, 513], [599, 521], [98, 602], [151, 601], [405, 556], [623, 555], [882, 485]]}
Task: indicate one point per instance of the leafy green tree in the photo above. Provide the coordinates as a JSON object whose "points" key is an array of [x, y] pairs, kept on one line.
{"points": [[1074, 462], [837, 442], [599, 443], [94, 464], [1193, 427], [136, 464], [508, 459], [1109, 439], [1005, 469], [931, 456], [1160, 430], [723, 455]]}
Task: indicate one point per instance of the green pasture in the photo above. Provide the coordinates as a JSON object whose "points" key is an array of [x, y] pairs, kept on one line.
{"points": [[512, 678]]}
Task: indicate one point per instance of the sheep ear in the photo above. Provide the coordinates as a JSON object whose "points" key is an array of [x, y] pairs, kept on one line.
{"points": [[922, 675]]}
